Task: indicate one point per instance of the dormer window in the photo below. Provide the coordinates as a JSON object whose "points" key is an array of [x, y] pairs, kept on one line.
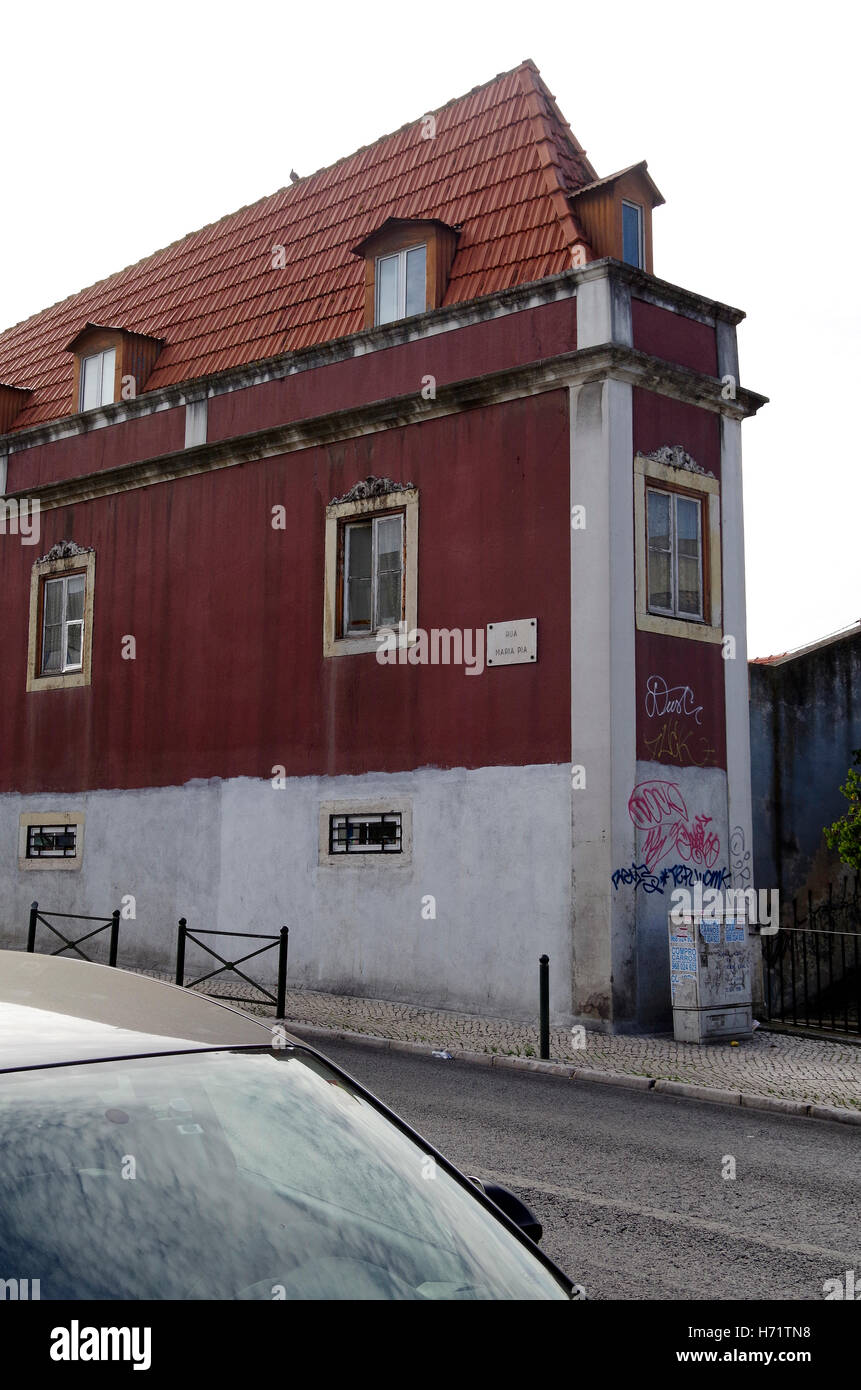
{"points": [[401, 284], [98, 374], [615, 214], [407, 265], [110, 365], [633, 241]]}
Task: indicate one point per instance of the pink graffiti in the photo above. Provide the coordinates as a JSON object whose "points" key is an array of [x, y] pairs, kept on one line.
{"points": [[659, 809]]}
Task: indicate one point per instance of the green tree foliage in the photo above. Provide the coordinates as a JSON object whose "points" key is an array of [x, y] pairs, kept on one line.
{"points": [[845, 834]]}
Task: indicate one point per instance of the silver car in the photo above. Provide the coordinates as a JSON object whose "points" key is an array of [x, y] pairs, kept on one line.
{"points": [[156, 1144]]}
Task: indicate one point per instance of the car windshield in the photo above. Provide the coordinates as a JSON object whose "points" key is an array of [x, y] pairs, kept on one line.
{"points": [[231, 1175]]}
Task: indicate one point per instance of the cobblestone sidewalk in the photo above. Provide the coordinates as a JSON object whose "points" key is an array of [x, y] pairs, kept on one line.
{"points": [[820, 1072]]}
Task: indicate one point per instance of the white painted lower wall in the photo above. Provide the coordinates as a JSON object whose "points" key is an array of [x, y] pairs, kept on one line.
{"points": [[492, 846]]}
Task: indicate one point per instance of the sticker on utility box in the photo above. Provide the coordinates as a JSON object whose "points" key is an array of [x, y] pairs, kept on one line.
{"points": [[683, 960], [734, 930], [710, 932], [511, 643]]}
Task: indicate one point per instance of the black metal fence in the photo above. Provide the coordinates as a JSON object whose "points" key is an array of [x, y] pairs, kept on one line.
{"points": [[112, 922], [279, 1000], [812, 966]]}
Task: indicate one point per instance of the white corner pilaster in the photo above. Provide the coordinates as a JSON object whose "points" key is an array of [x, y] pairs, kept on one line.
{"points": [[603, 726]]}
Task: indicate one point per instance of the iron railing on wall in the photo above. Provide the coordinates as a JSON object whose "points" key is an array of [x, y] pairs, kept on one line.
{"points": [[812, 966], [112, 922]]}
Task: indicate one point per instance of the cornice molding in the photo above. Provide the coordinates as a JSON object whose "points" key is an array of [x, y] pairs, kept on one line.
{"points": [[575, 368]]}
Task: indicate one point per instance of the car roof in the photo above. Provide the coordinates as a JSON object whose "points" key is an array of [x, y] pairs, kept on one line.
{"points": [[56, 1011]]}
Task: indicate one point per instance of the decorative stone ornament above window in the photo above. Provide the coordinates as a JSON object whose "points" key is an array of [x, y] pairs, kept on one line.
{"points": [[390, 287], [674, 456], [371, 487], [616, 215], [110, 364]]}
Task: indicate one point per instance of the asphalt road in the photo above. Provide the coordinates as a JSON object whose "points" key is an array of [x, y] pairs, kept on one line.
{"points": [[629, 1186]]}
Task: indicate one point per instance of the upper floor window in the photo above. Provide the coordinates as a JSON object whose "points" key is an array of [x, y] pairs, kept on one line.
{"points": [[371, 565], [372, 573], [401, 280], [62, 624], [98, 374], [675, 554], [633, 246], [677, 532], [61, 618]]}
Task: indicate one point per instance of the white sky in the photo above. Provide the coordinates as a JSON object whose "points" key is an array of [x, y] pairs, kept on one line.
{"points": [[127, 126]]}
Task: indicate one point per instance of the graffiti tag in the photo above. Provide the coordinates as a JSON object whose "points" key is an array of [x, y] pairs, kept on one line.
{"points": [[659, 809], [663, 699], [739, 856], [672, 745], [673, 876]]}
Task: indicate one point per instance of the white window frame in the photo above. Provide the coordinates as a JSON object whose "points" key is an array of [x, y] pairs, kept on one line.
{"points": [[65, 622], [104, 354], [50, 862], [43, 571], [401, 258], [338, 643], [374, 523], [647, 472], [641, 231], [675, 611]]}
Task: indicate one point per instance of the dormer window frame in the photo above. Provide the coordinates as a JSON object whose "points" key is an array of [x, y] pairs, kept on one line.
{"points": [[397, 236], [107, 391], [402, 257], [640, 263], [135, 356]]}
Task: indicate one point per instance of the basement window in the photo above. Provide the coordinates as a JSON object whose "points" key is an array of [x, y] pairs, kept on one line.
{"points": [[401, 284], [98, 374], [52, 841], [633, 244], [365, 834]]}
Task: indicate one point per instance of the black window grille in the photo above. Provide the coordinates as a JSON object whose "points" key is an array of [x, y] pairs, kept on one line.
{"points": [[365, 834], [52, 841]]}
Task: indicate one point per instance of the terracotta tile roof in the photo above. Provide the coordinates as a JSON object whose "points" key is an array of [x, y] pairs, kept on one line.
{"points": [[501, 164]]}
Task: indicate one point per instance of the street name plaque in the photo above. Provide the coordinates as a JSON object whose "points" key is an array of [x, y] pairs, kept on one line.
{"points": [[512, 642]]}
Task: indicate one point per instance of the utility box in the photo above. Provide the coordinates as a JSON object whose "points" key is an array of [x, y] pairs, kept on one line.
{"points": [[710, 977]]}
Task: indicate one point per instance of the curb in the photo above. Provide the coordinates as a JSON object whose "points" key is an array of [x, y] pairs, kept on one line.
{"points": [[568, 1072]]}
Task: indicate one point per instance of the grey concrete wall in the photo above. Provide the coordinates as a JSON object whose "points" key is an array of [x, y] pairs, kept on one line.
{"points": [[805, 720], [492, 846]]}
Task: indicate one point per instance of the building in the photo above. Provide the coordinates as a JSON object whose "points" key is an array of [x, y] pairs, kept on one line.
{"points": [[805, 723], [434, 390]]}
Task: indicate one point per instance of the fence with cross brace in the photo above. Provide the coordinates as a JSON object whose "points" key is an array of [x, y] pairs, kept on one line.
{"points": [[185, 934], [112, 921]]}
